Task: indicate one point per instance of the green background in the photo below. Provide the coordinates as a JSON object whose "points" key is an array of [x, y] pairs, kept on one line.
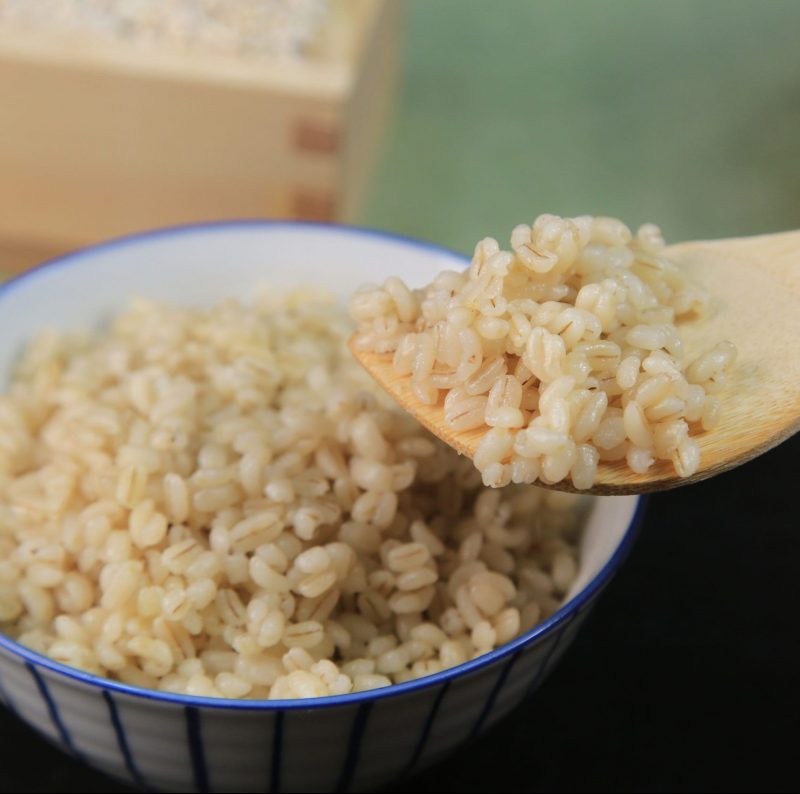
{"points": [[686, 113]]}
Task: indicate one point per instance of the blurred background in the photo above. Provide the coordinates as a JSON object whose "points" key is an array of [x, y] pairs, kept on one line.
{"points": [[684, 113], [447, 120]]}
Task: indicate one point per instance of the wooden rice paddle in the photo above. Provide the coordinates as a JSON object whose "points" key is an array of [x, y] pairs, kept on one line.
{"points": [[755, 287]]}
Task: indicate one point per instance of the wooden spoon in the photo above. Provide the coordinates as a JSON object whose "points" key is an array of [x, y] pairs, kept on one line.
{"points": [[755, 287]]}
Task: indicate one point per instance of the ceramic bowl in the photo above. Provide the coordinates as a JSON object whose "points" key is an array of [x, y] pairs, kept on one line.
{"points": [[353, 742]]}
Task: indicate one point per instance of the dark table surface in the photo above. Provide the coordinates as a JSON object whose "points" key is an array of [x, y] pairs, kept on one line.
{"points": [[685, 677]]}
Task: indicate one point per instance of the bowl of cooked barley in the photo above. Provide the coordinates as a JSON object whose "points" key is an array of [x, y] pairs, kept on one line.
{"points": [[227, 561]]}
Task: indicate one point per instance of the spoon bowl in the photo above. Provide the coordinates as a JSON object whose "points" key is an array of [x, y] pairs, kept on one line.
{"points": [[755, 287]]}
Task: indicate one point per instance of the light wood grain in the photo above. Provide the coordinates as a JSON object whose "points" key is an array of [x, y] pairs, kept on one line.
{"points": [[104, 139], [755, 284]]}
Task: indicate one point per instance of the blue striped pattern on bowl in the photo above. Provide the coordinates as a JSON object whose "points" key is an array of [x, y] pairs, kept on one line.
{"points": [[355, 743]]}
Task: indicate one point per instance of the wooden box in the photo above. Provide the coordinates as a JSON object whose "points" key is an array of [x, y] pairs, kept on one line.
{"points": [[102, 140]]}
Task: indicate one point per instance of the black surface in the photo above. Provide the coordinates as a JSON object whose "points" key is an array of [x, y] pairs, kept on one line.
{"points": [[685, 677]]}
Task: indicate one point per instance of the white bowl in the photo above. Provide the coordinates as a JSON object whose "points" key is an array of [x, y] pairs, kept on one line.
{"points": [[360, 741]]}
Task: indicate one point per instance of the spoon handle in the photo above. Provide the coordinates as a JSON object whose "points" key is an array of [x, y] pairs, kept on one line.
{"points": [[777, 254]]}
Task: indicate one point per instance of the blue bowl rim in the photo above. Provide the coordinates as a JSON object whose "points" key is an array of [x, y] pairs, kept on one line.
{"points": [[557, 619]]}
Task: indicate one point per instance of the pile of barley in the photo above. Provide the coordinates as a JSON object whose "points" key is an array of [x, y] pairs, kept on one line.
{"points": [[235, 27], [212, 502], [564, 348]]}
